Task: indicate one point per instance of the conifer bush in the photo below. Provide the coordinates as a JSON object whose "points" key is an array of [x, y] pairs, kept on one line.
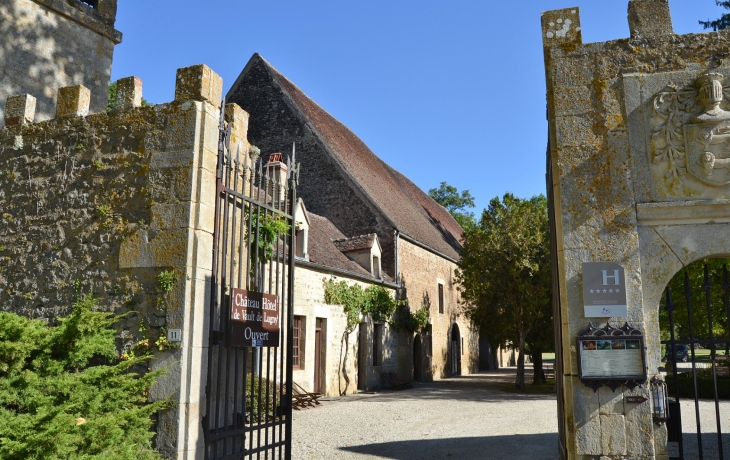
{"points": [[65, 394]]}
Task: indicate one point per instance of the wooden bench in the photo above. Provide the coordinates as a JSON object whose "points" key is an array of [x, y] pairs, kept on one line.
{"points": [[549, 371]]}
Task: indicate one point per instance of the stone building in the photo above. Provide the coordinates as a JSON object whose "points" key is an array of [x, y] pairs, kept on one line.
{"points": [[323, 343], [344, 181], [50, 44]]}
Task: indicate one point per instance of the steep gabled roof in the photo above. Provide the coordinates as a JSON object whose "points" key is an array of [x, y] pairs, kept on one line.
{"points": [[407, 207], [323, 251]]}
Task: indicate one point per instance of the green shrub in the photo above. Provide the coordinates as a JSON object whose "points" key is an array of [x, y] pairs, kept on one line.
{"points": [[64, 394], [705, 386]]}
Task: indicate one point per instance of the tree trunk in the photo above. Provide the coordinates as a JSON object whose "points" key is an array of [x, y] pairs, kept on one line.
{"points": [[520, 378], [539, 374], [343, 361]]}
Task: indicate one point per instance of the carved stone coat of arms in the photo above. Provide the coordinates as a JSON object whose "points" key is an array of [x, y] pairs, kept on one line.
{"points": [[691, 131]]}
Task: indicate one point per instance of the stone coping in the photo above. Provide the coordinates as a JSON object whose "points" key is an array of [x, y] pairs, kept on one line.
{"points": [[683, 212]]}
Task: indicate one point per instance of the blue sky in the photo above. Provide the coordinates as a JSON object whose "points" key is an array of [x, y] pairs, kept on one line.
{"points": [[442, 91]]}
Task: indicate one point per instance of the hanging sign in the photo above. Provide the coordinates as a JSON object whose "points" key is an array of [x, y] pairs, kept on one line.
{"points": [[254, 319], [604, 290]]}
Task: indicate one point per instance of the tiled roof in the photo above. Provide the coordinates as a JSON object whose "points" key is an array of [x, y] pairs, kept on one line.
{"points": [[409, 209], [356, 243], [322, 249]]}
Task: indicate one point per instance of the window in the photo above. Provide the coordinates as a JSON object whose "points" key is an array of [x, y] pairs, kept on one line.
{"points": [[299, 335], [462, 345], [376, 267], [377, 348], [441, 298], [299, 237]]}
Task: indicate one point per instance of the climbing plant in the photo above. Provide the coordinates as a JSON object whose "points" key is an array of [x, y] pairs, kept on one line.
{"points": [[405, 319], [375, 301]]}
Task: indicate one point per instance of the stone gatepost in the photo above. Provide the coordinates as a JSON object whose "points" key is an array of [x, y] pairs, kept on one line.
{"points": [[639, 175]]}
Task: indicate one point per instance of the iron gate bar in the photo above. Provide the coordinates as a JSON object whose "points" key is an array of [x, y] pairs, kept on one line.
{"points": [[246, 195], [713, 343], [707, 286], [688, 298], [669, 306]]}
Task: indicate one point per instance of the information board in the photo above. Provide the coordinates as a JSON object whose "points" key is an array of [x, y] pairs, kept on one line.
{"points": [[254, 319], [611, 358]]}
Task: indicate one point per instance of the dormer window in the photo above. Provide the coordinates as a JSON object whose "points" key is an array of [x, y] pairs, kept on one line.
{"points": [[301, 232], [364, 250]]}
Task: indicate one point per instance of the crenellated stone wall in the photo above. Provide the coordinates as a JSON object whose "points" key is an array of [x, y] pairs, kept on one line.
{"points": [[103, 204]]}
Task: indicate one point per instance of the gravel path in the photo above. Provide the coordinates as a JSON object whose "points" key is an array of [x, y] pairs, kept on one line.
{"points": [[461, 418]]}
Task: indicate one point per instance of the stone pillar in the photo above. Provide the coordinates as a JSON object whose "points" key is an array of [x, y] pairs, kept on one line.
{"points": [[73, 101], [19, 110], [129, 93], [649, 17], [180, 237]]}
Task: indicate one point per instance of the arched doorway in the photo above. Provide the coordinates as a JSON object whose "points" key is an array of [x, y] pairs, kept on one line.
{"points": [[417, 358], [455, 348], [695, 355]]}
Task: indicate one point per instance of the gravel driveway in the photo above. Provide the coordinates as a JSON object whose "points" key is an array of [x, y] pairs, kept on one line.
{"points": [[461, 418]]}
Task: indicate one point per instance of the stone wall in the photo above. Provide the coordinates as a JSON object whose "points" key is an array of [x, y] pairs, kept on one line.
{"points": [[69, 43], [104, 203], [630, 186], [420, 272], [309, 302]]}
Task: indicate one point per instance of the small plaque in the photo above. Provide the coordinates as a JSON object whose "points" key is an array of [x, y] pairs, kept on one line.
{"points": [[254, 319], [174, 335], [722, 371], [604, 290], [635, 399]]}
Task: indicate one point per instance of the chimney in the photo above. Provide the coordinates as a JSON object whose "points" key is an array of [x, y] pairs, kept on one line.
{"points": [[275, 171]]}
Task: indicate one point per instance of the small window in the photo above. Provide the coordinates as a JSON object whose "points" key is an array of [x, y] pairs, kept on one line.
{"points": [[462, 345], [376, 267], [299, 238], [377, 348], [441, 298], [298, 342]]}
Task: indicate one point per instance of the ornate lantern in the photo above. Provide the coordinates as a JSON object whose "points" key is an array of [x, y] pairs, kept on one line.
{"points": [[659, 401]]}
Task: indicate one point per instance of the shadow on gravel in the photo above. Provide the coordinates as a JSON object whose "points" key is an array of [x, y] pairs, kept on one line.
{"points": [[515, 447], [476, 387]]}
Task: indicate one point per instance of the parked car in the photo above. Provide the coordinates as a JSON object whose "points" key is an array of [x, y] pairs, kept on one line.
{"points": [[681, 351]]}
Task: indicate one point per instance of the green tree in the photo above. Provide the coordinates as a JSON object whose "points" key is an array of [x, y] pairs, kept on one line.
{"points": [[722, 22], [456, 203], [64, 394], [504, 277], [694, 273]]}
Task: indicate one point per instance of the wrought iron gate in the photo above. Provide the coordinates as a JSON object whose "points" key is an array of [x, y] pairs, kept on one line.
{"points": [[693, 379], [248, 401]]}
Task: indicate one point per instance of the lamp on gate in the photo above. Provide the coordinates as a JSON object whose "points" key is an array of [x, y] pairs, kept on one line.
{"points": [[660, 404]]}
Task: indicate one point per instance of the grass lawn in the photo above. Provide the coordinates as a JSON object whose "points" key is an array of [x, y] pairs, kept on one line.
{"points": [[548, 357], [548, 388]]}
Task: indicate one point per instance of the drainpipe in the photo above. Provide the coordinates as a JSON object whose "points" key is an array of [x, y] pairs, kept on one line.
{"points": [[397, 278]]}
